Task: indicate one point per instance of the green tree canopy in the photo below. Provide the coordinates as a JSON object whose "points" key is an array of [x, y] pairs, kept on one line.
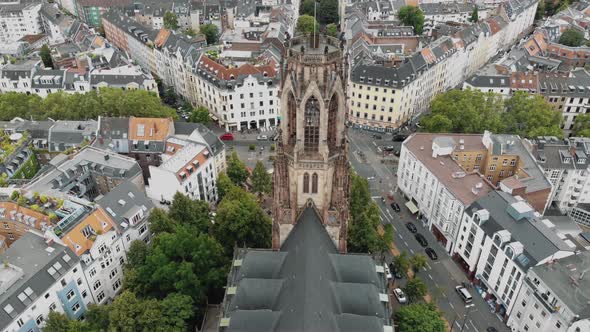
{"points": [[170, 21], [211, 32], [332, 30], [224, 185], [200, 115], [326, 10], [582, 125], [532, 116], [572, 37], [137, 253], [415, 289], [261, 180], [474, 15], [45, 54], [236, 170], [412, 16], [402, 262], [419, 317], [160, 222], [305, 24], [418, 261], [194, 213], [241, 221]]}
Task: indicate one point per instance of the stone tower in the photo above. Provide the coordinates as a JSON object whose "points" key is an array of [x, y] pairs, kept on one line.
{"points": [[311, 166]]}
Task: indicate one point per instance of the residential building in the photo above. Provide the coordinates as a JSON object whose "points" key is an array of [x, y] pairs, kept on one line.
{"points": [[112, 134], [18, 220], [554, 297], [40, 275], [203, 135], [18, 19], [239, 98], [90, 11], [501, 237], [442, 174], [55, 23], [565, 164], [147, 141], [187, 167], [64, 135], [499, 84], [442, 12]]}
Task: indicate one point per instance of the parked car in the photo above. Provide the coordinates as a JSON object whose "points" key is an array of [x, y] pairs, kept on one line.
{"points": [[464, 294], [387, 272], [400, 296], [491, 329], [421, 239], [399, 138], [376, 136], [388, 148], [395, 272], [262, 138], [395, 207], [396, 153], [227, 137], [431, 253], [411, 227]]}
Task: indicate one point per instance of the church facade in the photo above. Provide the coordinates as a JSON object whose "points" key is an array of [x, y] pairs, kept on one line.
{"points": [[311, 166]]}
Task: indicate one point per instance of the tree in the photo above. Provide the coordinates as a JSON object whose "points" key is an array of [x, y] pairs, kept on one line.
{"points": [[532, 116], [224, 185], [582, 126], [241, 221], [160, 222], [332, 30], [190, 32], [306, 23], [236, 170], [326, 10], [419, 317], [415, 289], [170, 21], [540, 10], [137, 253], [96, 317], [261, 180], [402, 262], [362, 230], [418, 261], [412, 16], [200, 115], [170, 96], [307, 7], [45, 54], [572, 37], [474, 15], [437, 123], [57, 322], [211, 32], [193, 213]]}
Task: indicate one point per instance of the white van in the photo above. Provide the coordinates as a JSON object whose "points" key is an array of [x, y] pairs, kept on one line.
{"points": [[464, 294]]}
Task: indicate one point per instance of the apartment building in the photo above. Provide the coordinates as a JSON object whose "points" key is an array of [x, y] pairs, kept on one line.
{"points": [[18, 19], [187, 167], [244, 97], [40, 275], [147, 140], [18, 220], [441, 12], [500, 238], [64, 135], [91, 11], [436, 68], [442, 174], [554, 297]]}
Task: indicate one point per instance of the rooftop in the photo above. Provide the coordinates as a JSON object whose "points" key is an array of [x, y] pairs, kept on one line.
{"points": [[306, 286], [149, 129], [124, 201]]}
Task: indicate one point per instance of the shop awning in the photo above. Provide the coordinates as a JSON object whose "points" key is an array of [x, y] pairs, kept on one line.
{"points": [[412, 207]]}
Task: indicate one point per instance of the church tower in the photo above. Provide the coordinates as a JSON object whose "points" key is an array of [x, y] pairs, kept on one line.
{"points": [[311, 166]]}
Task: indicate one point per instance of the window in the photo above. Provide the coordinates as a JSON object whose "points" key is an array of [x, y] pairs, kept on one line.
{"points": [[523, 303], [311, 124], [306, 183], [39, 320], [142, 229], [84, 294], [92, 272], [20, 322], [314, 183], [76, 307], [79, 281], [52, 307], [113, 273], [70, 294], [87, 231], [128, 237], [97, 285], [117, 284], [518, 314], [100, 296]]}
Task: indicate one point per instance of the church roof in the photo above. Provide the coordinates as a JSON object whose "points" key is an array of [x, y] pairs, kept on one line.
{"points": [[306, 286]]}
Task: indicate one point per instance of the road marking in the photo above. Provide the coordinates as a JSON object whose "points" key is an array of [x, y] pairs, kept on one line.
{"points": [[400, 236], [375, 144], [458, 325], [435, 284], [395, 229], [475, 328], [429, 276], [412, 251], [452, 306], [429, 267], [381, 218], [389, 213], [406, 243]]}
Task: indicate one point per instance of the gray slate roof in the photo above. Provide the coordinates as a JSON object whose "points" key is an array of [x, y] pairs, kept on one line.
{"points": [[538, 240], [132, 199], [306, 286], [29, 254]]}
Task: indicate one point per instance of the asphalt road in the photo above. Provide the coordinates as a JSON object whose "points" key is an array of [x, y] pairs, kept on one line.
{"points": [[440, 276]]}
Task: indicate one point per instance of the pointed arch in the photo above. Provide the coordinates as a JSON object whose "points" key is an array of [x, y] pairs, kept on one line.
{"points": [[291, 119], [314, 183], [333, 121], [311, 125], [305, 183]]}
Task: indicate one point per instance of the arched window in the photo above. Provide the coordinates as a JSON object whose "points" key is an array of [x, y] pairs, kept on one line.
{"points": [[306, 183], [291, 119], [311, 125], [314, 183], [332, 121]]}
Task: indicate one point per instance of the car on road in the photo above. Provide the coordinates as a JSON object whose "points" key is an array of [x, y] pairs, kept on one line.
{"points": [[388, 148], [396, 274], [411, 227], [376, 136], [396, 153], [464, 294], [399, 138], [491, 329], [395, 207], [387, 272], [421, 239], [400, 296], [262, 138], [431, 253], [227, 137]]}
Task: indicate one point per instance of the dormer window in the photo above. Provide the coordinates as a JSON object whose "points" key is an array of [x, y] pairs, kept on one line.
{"points": [[497, 240], [581, 161]]}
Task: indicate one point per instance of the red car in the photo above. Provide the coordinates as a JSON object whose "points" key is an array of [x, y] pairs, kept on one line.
{"points": [[227, 137]]}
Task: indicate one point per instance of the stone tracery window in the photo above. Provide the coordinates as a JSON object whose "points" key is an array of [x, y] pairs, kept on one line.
{"points": [[332, 120], [291, 119], [305, 183], [311, 134], [314, 183]]}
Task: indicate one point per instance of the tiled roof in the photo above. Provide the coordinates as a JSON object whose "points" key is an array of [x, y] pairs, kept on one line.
{"points": [[149, 129]]}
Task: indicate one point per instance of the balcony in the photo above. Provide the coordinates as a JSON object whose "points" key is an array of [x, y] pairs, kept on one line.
{"points": [[542, 297]]}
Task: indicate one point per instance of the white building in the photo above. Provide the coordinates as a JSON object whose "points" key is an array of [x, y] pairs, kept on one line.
{"points": [[490, 83], [18, 19], [187, 167], [501, 237], [40, 275], [554, 297], [442, 12], [239, 98]]}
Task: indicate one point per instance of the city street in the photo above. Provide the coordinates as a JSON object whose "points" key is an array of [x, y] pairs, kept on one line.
{"points": [[441, 276]]}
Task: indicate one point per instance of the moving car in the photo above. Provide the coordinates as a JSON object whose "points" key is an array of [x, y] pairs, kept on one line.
{"points": [[227, 137], [464, 294], [395, 207], [262, 138], [399, 138], [388, 148], [411, 227], [421, 239], [431, 253], [400, 296]]}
